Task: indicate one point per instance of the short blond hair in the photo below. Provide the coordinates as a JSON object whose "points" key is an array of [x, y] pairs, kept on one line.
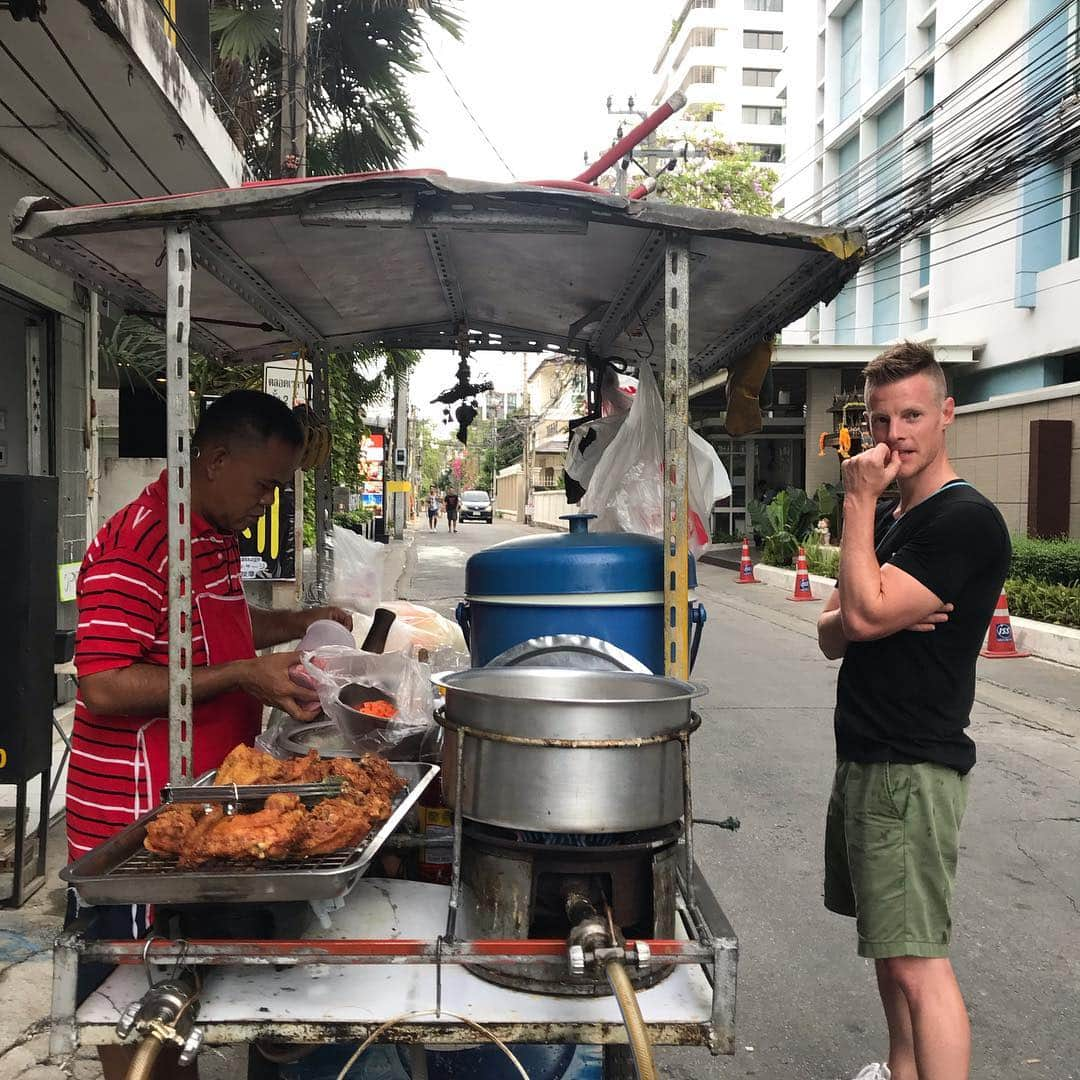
{"points": [[903, 360]]}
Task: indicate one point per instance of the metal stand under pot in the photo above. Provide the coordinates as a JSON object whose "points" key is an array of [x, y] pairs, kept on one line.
{"points": [[569, 788]]}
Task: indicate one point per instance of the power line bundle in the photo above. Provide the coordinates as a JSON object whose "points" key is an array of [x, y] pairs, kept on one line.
{"points": [[1020, 111]]}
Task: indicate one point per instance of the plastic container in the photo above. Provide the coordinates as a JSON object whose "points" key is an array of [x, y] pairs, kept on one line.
{"points": [[602, 585]]}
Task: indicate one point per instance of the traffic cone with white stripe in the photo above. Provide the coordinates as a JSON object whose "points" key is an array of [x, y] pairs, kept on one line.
{"points": [[802, 580], [746, 567], [1000, 643]]}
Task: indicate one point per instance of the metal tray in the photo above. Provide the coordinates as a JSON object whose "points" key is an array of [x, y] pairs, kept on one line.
{"points": [[122, 871]]}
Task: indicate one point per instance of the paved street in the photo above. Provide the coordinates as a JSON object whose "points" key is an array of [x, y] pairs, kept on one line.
{"points": [[807, 1004]]}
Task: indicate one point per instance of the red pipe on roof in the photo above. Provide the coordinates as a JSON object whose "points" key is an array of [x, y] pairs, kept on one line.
{"points": [[633, 137]]}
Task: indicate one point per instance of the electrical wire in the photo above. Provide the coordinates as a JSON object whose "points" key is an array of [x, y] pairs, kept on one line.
{"points": [[22, 123], [991, 146], [472, 117], [101, 108], [954, 97], [33, 176], [395, 1020], [812, 156]]}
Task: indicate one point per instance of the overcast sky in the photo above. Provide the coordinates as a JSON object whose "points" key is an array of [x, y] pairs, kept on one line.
{"points": [[536, 75]]}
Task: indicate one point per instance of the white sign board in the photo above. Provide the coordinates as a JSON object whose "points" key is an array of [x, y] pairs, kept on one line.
{"points": [[287, 380]]}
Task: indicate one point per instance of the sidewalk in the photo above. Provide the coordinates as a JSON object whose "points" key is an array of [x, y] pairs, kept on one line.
{"points": [[1034, 692]]}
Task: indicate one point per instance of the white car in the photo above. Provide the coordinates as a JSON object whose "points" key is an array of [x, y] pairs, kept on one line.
{"points": [[476, 506]]}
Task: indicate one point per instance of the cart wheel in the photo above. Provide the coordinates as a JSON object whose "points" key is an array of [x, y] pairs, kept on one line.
{"points": [[618, 1063]]}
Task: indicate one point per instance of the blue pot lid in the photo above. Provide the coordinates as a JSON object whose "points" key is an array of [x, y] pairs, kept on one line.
{"points": [[576, 562]]}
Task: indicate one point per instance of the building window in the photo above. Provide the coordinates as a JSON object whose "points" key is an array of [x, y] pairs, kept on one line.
{"points": [[1072, 182], [928, 90], [890, 123], [924, 260], [700, 36], [763, 5], [847, 171], [891, 29], [765, 151], [763, 39], [887, 296], [762, 114], [699, 73], [850, 58], [922, 313], [931, 34], [696, 5], [759, 76], [845, 315]]}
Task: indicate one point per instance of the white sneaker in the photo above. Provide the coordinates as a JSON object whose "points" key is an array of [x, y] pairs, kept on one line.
{"points": [[874, 1071]]}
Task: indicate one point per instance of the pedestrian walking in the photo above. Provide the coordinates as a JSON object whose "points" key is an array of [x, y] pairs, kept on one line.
{"points": [[432, 510], [919, 579], [451, 504]]}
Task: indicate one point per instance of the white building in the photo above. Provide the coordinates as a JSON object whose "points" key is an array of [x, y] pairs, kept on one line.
{"points": [[726, 56], [880, 90]]}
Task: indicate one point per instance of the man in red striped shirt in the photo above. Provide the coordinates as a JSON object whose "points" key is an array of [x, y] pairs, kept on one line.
{"points": [[247, 445]]}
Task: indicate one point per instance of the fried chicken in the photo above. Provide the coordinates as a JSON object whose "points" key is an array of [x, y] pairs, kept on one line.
{"points": [[332, 825], [284, 827], [270, 833], [167, 833]]}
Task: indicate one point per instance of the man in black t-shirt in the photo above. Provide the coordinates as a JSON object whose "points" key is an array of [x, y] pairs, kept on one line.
{"points": [[919, 581]]}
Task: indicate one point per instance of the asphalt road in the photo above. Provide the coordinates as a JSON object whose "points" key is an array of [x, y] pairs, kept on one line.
{"points": [[808, 1006]]}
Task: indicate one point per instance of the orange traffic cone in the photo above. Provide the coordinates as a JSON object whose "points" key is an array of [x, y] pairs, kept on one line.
{"points": [[802, 580], [1000, 643], [746, 567]]}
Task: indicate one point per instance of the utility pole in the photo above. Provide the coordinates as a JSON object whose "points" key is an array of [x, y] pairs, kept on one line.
{"points": [[293, 162], [401, 451], [294, 102], [526, 471]]}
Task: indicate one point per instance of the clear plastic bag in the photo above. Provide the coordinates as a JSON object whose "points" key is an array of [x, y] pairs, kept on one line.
{"points": [[358, 571], [626, 488], [339, 672]]}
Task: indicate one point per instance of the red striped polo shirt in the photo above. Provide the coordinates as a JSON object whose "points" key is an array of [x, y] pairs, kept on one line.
{"points": [[122, 597]]}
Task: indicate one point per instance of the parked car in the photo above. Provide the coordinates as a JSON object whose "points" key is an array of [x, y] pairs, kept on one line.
{"points": [[476, 506]]}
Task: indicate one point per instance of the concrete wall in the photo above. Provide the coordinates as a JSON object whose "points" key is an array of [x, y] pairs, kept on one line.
{"points": [[508, 492], [549, 506], [989, 445], [123, 479], [822, 385]]}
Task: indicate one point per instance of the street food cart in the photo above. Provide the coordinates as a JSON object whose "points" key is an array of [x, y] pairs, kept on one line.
{"points": [[422, 260]]}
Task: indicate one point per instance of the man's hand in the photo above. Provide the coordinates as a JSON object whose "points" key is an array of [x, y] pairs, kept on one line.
{"points": [[932, 621], [335, 614], [867, 475], [266, 678]]}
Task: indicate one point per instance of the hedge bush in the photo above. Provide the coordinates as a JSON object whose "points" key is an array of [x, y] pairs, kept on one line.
{"points": [[1052, 562], [1044, 601]]}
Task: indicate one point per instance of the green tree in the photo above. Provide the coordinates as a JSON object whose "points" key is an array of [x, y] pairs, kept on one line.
{"points": [[724, 177], [360, 53]]}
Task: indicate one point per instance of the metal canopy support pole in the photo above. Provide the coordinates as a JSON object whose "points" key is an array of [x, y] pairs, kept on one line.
{"points": [[178, 416], [324, 491], [676, 418]]}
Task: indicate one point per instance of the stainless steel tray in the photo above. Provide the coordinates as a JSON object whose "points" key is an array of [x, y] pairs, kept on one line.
{"points": [[122, 871]]}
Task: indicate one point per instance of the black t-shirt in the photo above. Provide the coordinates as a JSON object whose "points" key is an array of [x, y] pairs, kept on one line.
{"points": [[907, 698], [451, 504]]}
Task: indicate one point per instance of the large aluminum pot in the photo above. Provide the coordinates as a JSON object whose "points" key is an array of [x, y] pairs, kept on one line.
{"points": [[566, 751]]}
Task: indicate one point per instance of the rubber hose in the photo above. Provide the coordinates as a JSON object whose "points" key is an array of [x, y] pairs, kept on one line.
{"points": [[142, 1064], [638, 1037]]}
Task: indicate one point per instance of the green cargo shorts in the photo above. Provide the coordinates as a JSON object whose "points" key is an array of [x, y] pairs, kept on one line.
{"points": [[891, 842]]}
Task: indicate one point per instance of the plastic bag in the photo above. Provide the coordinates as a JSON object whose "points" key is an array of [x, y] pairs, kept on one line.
{"points": [[626, 488], [401, 678], [358, 571], [588, 441]]}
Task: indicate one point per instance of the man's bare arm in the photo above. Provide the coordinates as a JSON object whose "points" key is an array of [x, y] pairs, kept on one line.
{"points": [[830, 629], [143, 689], [270, 627]]}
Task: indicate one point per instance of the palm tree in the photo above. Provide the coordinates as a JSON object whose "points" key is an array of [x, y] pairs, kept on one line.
{"points": [[359, 54]]}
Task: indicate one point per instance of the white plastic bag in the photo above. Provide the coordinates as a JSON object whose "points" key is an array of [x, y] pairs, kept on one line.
{"points": [[405, 681], [626, 488], [358, 571]]}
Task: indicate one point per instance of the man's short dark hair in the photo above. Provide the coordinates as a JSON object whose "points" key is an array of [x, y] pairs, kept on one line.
{"points": [[901, 361], [248, 415]]}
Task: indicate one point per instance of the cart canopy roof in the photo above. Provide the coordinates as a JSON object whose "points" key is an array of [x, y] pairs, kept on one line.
{"points": [[417, 259]]}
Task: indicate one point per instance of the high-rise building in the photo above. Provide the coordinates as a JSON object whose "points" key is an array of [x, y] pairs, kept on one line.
{"points": [[726, 56]]}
